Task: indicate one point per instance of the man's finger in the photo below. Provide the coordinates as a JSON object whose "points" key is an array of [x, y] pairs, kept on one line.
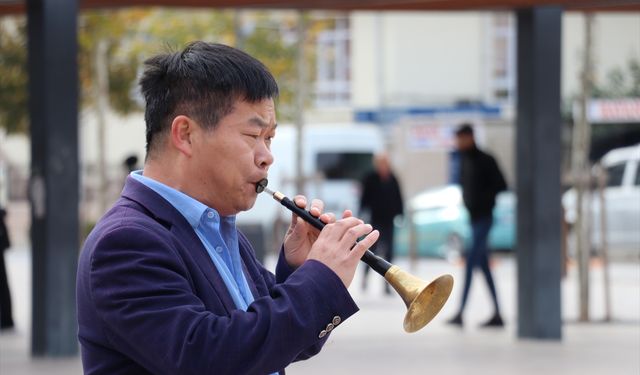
{"points": [[346, 223], [316, 207], [328, 218], [300, 201], [355, 232], [361, 247], [336, 230]]}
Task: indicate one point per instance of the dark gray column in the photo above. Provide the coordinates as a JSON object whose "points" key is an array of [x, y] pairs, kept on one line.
{"points": [[53, 107], [538, 173]]}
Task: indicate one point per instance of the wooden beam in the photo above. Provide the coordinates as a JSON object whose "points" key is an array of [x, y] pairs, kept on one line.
{"points": [[17, 6]]}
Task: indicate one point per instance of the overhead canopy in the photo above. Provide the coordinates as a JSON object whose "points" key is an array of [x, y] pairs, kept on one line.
{"points": [[17, 6]]}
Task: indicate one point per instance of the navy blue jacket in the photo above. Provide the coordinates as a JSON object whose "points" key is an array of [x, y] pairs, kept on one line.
{"points": [[150, 300]]}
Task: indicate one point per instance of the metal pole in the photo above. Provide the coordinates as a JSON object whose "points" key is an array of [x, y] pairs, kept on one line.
{"points": [[380, 64], [538, 172], [300, 100], [54, 183], [238, 28], [581, 145], [101, 94], [604, 246], [413, 241]]}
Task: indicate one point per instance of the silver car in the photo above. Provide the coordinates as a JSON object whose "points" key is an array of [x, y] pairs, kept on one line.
{"points": [[622, 203]]}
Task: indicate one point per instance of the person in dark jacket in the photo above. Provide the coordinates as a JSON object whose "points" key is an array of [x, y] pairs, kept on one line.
{"points": [[481, 180], [6, 316], [381, 197]]}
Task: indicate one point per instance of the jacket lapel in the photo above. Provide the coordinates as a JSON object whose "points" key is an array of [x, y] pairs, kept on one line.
{"points": [[172, 219]]}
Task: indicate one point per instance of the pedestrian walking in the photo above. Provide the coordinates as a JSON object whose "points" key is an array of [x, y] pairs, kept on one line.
{"points": [[481, 181], [382, 199]]}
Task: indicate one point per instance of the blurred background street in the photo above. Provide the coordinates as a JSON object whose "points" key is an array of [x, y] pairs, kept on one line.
{"points": [[373, 341], [550, 91]]}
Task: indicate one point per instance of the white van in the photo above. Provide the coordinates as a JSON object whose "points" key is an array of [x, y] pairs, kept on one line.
{"points": [[335, 157], [622, 200]]}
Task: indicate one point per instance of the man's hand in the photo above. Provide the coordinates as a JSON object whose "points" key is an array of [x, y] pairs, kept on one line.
{"points": [[301, 235], [334, 246]]}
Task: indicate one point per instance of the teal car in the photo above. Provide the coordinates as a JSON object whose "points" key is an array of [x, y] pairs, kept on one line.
{"points": [[441, 228]]}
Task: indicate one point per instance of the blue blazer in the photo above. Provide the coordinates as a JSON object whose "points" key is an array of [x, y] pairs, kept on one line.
{"points": [[150, 300]]}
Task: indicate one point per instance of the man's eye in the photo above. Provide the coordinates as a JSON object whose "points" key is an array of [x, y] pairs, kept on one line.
{"points": [[254, 136]]}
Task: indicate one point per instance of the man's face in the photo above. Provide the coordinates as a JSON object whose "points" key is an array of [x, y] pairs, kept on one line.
{"points": [[382, 165], [464, 142], [229, 160]]}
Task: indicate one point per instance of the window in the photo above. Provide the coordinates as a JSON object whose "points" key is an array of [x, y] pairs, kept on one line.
{"points": [[344, 165], [500, 63], [615, 174], [333, 66], [637, 183]]}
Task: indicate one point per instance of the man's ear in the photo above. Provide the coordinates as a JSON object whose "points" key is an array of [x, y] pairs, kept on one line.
{"points": [[182, 131]]}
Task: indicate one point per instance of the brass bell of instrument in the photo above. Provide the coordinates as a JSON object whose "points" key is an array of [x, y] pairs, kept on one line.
{"points": [[424, 301]]}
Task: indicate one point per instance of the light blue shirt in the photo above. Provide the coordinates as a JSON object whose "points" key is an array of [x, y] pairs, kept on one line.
{"points": [[217, 234]]}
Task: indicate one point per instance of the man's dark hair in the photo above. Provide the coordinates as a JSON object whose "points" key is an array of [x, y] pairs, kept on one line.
{"points": [[203, 82], [464, 129]]}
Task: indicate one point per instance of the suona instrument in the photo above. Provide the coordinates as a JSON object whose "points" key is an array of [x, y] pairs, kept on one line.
{"points": [[423, 300]]}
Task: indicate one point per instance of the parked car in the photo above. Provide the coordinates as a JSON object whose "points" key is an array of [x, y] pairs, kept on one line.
{"points": [[441, 224], [622, 203]]}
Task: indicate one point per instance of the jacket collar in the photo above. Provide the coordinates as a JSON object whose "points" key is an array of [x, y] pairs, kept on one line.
{"points": [[162, 211], [159, 207]]}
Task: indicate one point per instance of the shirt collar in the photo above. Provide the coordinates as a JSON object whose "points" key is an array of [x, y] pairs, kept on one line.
{"points": [[190, 208]]}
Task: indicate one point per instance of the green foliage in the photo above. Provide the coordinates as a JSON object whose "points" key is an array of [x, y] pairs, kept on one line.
{"points": [[165, 30], [122, 81], [620, 83], [634, 72], [134, 34], [13, 70], [266, 44], [116, 28]]}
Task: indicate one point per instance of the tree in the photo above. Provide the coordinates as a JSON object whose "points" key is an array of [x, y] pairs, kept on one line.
{"points": [[134, 34], [14, 115], [13, 70], [620, 83], [271, 42], [114, 30]]}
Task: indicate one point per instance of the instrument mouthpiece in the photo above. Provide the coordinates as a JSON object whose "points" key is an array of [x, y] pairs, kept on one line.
{"points": [[261, 185]]}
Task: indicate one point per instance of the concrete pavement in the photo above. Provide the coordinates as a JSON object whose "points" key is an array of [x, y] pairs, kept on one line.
{"points": [[373, 342]]}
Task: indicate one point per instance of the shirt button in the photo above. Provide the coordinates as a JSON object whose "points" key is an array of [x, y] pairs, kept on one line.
{"points": [[219, 249], [210, 215], [336, 320], [322, 334], [329, 327]]}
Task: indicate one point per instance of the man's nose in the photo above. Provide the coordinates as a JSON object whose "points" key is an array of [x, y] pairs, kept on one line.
{"points": [[264, 157]]}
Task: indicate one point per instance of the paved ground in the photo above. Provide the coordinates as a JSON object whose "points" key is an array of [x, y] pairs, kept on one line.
{"points": [[373, 341]]}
